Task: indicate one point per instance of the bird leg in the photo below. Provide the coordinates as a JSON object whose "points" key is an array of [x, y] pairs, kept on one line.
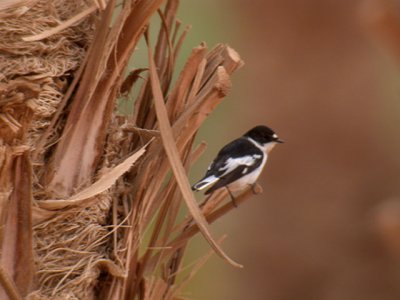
{"points": [[232, 197]]}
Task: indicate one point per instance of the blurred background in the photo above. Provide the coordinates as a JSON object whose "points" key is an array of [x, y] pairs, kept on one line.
{"points": [[324, 74]]}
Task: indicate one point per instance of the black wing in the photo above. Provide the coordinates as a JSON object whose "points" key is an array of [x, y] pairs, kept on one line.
{"points": [[235, 160], [230, 177]]}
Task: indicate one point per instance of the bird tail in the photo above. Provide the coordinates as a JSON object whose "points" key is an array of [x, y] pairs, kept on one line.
{"points": [[204, 183]]}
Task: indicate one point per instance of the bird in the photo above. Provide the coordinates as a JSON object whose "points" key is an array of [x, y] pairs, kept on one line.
{"points": [[239, 163]]}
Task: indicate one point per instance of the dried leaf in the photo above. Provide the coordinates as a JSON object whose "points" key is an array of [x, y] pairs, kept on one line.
{"points": [[101, 185], [181, 239], [80, 148], [176, 164], [6, 283], [16, 234]]}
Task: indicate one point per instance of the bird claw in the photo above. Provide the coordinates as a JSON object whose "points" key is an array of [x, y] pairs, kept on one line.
{"points": [[232, 198]]}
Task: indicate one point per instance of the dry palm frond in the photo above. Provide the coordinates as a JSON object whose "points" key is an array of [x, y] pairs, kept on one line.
{"points": [[99, 180]]}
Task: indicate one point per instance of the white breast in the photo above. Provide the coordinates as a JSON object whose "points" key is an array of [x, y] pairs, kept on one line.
{"points": [[248, 179]]}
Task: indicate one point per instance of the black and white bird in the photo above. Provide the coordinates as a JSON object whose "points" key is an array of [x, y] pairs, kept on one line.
{"points": [[239, 163]]}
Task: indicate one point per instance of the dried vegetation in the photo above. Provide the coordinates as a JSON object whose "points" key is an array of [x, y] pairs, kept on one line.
{"points": [[80, 184]]}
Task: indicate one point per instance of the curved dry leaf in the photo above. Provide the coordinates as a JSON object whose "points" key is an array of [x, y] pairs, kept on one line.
{"points": [[176, 163], [101, 185]]}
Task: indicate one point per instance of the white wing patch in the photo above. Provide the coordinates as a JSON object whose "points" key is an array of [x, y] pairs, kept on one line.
{"points": [[249, 178], [233, 163], [205, 182]]}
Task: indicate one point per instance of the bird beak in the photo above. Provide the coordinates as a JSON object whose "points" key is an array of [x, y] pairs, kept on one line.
{"points": [[279, 141]]}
